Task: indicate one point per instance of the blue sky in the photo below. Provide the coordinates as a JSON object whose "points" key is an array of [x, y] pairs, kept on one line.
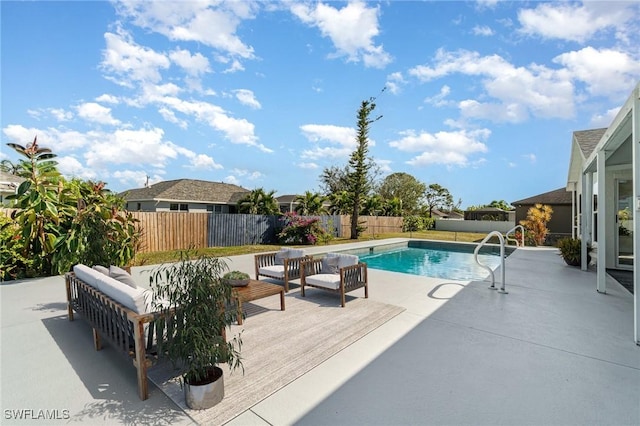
{"points": [[481, 97]]}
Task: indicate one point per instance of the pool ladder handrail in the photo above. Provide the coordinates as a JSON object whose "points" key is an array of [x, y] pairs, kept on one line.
{"points": [[506, 236], [475, 256]]}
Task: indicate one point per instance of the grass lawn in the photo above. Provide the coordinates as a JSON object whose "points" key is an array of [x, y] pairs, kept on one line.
{"points": [[172, 256]]}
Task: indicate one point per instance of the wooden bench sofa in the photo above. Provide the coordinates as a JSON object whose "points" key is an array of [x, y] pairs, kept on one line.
{"points": [[118, 313]]}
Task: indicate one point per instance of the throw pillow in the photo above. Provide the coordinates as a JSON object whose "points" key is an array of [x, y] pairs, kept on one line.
{"points": [[281, 256], [101, 269], [330, 265], [122, 276]]}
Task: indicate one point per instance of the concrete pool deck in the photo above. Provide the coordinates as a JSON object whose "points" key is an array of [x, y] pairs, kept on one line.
{"points": [[553, 351]]}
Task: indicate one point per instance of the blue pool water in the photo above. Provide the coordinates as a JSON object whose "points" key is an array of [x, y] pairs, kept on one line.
{"points": [[450, 262]]}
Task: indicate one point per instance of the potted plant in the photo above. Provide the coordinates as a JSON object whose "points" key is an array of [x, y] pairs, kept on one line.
{"points": [[199, 306], [571, 251], [236, 278]]}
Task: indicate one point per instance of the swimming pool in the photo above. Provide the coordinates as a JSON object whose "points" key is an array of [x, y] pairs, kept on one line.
{"points": [[435, 259]]}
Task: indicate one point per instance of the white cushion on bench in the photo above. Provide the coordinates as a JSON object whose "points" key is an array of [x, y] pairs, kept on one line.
{"points": [[87, 275], [331, 281], [136, 299], [276, 271]]}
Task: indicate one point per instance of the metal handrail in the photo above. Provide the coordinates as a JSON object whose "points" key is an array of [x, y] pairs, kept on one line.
{"points": [[475, 256], [506, 236]]}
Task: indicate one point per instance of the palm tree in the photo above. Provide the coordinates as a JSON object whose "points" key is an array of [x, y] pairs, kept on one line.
{"points": [[372, 206], [310, 204], [339, 203], [259, 202], [8, 167]]}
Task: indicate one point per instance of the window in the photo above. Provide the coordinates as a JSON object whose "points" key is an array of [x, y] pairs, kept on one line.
{"points": [[214, 208], [181, 207]]}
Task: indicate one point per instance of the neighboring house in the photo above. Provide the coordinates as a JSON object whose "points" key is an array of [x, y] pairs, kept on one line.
{"points": [[185, 195], [287, 203], [611, 170], [560, 201], [9, 184], [452, 215]]}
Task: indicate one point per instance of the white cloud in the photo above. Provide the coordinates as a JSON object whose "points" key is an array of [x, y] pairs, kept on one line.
{"points": [[395, 81], [213, 24], [136, 178], [203, 162], [60, 114], [170, 116], [232, 180], [441, 98], [247, 97], [59, 141], [482, 30], [384, 165], [342, 141], [255, 175], [606, 72], [107, 99], [572, 21], [308, 165], [531, 158], [605, 119], [351, 30], [448, 148], [96, 113], [70, 167], [194, 65], [127, 61], [518, 91]]}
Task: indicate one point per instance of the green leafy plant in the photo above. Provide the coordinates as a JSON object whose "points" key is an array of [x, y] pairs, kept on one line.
{"points": [[235, 275], [201, 306], [13, 263], [571, 250]]}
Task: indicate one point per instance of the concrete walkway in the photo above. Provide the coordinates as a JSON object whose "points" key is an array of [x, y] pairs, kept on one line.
{"points": [[551, 352]]}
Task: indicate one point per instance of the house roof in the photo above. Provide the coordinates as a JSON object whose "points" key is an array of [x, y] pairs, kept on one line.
{"points": [[9, 182], [193, 190], [588, 139], [557, 196], [289, 198]]}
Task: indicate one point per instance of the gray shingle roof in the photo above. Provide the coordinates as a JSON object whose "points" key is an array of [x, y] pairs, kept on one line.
{"points": [[588, 139], [558, 196], [188, 190]]}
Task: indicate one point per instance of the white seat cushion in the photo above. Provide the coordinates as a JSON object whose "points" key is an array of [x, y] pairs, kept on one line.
{"points": [[137, 299], [276, 271], [331, 281], [293, 253], [122, 276]]}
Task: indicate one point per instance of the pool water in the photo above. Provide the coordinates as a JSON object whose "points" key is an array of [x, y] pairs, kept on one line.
{"points": [[433, 262]]}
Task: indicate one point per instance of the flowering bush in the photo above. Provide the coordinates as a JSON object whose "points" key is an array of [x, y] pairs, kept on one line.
{"points": [[300, 230]]}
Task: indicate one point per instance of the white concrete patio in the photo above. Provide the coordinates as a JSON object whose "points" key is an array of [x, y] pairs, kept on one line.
{"points": [[551, 352]]}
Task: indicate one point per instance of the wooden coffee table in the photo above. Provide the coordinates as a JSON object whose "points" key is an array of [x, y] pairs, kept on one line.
{"points": [[256, 290]]}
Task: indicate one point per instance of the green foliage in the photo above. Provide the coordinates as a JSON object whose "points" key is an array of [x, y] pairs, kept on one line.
{"points": [[339, 202], [536, 222], [300, 230], [358, 181], [310, 204], [100, 233], [39, 210], [333, 179], [13, 264], [259, 202], [204, 308], [403, 187], [436, 196], [62, 223], [235, 275], [571, 250], [417, 223]]}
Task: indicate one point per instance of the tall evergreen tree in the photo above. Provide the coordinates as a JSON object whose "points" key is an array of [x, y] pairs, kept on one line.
{"points": [[358, 180]]}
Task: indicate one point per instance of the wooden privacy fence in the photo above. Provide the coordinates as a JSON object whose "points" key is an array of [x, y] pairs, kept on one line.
{"points": [[165, 231], [241, 229], [375, 225]]}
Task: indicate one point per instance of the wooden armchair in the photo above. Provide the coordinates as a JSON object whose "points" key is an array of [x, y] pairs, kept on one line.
{"points": [[338, 273], [283, 265]]}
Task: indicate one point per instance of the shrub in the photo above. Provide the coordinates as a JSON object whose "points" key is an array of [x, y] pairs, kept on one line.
{"points": [[417, 223], [536, 222], [300, 230], [13, 264]]}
